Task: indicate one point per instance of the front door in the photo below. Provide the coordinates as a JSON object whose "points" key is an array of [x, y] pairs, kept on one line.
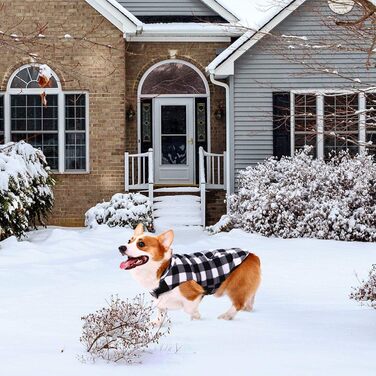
{"points": [[174, 141]]}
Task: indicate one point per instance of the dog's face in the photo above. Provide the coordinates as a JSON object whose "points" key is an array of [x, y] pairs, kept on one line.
{"points": [[142, 249]]}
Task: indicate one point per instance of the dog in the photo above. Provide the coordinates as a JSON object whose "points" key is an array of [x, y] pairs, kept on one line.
{"points": [[181, 281]]}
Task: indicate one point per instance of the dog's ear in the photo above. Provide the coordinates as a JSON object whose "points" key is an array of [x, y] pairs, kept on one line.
{"points": [[166, 239], [139, 230]]}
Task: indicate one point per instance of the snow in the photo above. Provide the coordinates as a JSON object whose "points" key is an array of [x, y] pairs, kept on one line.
{"points": [[304, 324], [254, 14]]}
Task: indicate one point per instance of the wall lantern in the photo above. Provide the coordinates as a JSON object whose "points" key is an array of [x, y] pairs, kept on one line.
{"points": [[219, 112], [130, 113]]}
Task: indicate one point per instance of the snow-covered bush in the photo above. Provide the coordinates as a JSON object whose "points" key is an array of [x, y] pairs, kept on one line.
{"points": [[366, 292], [124, 210], [26, 195], [304, 197], [223, 225], [122, 331]]}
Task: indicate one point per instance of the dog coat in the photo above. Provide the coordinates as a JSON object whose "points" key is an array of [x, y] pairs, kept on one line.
{"points": [[209, 269]]}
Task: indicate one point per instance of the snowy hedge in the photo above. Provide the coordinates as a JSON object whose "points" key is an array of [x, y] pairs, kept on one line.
{"points": [[124, 210], [304, 197], [26, 195]]}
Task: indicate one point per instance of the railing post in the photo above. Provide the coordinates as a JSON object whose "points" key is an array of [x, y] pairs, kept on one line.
{"points": [[126, 171], [202, 186], [151, 175]]}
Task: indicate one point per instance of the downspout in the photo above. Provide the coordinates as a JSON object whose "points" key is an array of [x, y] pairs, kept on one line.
{"points": [[228, 140]]}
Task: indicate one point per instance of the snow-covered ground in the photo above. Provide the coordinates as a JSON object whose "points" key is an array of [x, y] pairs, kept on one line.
{"points": [[304, 323]]}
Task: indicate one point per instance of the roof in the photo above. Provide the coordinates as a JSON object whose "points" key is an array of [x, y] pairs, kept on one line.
{"points": [[261, 17]]}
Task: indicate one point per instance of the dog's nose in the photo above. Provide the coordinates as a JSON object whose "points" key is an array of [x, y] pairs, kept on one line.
{"points": [[123, 249]]}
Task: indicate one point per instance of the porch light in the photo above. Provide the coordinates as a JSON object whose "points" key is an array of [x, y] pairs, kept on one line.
{"points": [[130, 113], [219, 112]]}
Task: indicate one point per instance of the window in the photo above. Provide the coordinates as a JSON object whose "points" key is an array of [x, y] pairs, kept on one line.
{"points": [[330, 121], [371, 123], [173, 78], [305, 121], [341, 123], [58, 129], [281, 125], [75, 132]]}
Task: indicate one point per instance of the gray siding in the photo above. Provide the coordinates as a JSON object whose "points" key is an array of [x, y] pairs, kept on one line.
{"points": [[268, 67], [167, 8]]}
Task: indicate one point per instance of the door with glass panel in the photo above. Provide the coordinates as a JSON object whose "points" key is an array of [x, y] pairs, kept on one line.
{"points": [[173, 141]]}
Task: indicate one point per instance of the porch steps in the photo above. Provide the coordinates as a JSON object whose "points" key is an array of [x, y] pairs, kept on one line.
{"points": [[176, 211]]}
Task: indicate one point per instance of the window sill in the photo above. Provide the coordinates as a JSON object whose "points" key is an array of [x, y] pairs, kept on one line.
{"points": [[70, 173]]}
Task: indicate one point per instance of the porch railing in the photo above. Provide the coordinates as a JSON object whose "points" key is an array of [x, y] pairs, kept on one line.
{"points": [[212, 175], [139, 172]]}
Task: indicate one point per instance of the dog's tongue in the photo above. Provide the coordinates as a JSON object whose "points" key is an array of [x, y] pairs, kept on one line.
{"points": [[127, 264]]}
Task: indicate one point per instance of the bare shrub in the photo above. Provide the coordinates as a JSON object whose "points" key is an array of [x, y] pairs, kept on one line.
{"points": [[366, 292], [122, 331]]}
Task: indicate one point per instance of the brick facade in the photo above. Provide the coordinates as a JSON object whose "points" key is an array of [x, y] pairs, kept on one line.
{"points": [[110, 76]]}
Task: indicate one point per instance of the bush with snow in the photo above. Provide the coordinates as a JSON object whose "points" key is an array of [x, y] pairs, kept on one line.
{"points": [[304, 197], [122, 331], [124, 210], [366, 292], [26, 196]]}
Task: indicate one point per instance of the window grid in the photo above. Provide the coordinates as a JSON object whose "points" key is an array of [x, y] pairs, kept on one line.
{"points": [[305, 121], [371, 123], [36, 124], [75, 132], [341, 123]]}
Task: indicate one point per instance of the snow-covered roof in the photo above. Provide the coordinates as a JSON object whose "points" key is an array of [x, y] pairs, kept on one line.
{"points": [[259, 18]]}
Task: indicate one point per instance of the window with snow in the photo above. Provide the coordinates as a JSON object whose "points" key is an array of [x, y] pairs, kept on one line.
{"points": [[59, 129]]}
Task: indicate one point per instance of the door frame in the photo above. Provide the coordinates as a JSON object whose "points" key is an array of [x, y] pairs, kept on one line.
{"points": [[193, 96], [188, 103]]}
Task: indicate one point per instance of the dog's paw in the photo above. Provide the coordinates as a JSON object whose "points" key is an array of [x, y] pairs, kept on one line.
{"points": [[226, 316], [196, 316]]}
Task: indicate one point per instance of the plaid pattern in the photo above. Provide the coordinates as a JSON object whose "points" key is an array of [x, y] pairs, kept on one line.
{"points": [[209, 269]]}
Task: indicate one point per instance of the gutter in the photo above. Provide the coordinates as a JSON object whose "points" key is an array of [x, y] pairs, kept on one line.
{"points": [[228, 139]]}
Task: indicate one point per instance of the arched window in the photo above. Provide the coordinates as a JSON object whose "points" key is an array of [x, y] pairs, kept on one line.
{"points": [[58, 129], [173, 78]]}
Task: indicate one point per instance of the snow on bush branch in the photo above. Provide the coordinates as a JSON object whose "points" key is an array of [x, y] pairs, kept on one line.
{"points": [[122, 331], [366, 292], [124, 210], [304, 197], [25, 188]]}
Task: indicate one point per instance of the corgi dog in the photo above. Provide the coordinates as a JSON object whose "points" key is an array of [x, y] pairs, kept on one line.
{"points": [[181, 281]]}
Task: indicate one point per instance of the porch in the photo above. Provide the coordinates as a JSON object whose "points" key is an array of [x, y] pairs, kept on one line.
{"points": [[181, 205]]}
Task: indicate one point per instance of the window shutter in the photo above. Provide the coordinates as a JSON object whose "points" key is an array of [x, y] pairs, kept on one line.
{"points": [[281, 125]]}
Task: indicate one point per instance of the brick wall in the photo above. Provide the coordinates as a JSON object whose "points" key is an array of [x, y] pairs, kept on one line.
{"points": [[215, 206], [80, 66]]}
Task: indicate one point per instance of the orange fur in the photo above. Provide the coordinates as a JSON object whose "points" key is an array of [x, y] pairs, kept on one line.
{"points": [[241, 285], [191, 290]]}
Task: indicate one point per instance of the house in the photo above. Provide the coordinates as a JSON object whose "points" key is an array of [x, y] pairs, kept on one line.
{"points": [[171, 96]]}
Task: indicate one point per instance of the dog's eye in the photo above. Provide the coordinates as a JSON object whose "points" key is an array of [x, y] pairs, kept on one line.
{"points": [[141, 244]]}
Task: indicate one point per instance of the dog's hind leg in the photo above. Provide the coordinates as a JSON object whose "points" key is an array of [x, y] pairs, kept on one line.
{"points": [[249, 305], [230, 314]]}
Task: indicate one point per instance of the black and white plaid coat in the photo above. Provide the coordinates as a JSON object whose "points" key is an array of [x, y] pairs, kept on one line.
{"points": [[209, 269]]}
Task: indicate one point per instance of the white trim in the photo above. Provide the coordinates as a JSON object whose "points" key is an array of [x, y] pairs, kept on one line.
{"points": [[221, 10], [320, 125], [223, 65], [61, 131], [362, 121], [140, 96], [169, 38], [292, 123], [117, 15]]}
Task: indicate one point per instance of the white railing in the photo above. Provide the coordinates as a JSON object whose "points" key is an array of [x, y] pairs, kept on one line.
{"points": [[213, 175], [139, 172]]}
